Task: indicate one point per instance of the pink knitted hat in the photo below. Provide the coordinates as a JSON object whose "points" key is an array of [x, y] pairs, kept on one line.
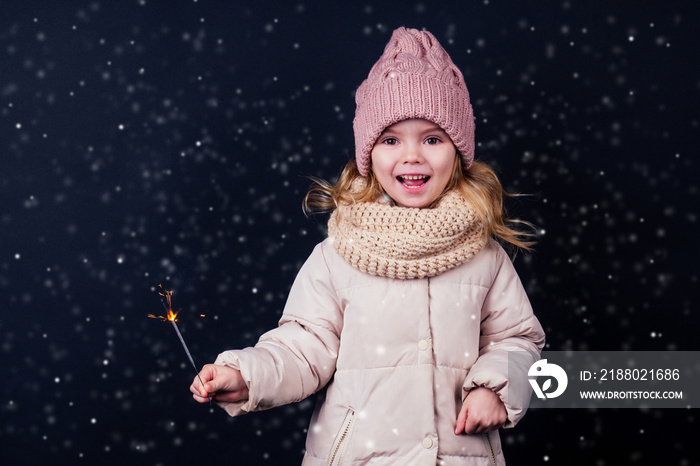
{"points": [[414, 78]]}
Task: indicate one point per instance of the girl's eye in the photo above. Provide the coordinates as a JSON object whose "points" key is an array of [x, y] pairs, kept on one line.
{"points": [[390, 141], [432, 140]]}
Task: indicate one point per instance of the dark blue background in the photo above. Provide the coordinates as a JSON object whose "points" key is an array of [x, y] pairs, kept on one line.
{"points": [[146, 142]]}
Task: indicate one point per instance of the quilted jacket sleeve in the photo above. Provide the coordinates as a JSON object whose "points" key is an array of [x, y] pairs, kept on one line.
{"points": [[297, 358], [509, 329]]}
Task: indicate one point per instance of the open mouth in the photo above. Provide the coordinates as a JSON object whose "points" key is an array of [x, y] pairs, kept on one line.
{"points": [[413, 181]]}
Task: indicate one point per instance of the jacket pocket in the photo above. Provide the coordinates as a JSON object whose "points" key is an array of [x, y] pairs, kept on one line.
{"points": [[340, 444], [489, 448]]}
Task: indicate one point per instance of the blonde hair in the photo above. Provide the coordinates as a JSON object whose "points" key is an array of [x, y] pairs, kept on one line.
{"points": [[479, 185]]}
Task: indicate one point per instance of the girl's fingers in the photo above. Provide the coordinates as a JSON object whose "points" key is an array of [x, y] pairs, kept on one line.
{"points": [[198, 395], [461, 421]]}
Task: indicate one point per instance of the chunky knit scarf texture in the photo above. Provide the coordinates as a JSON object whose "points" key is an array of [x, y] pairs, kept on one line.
{"points": [[405, 243]]}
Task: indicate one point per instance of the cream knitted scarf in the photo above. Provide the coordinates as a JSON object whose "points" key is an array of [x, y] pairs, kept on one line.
{"points": [[402, 242]]}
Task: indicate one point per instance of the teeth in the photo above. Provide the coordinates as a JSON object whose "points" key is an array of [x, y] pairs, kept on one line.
{"points": [[404, 179]]}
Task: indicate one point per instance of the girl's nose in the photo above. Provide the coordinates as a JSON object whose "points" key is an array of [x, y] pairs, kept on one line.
{"points": [[412, 154]]}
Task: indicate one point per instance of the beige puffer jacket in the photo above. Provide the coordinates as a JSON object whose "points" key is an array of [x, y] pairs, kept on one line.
{"points": [[396, 358]]}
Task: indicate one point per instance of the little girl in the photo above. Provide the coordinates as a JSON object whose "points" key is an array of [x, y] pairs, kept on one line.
{"points": [[404, 317]]}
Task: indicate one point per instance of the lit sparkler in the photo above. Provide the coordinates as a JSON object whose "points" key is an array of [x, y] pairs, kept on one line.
{"points": [[171, 316]]}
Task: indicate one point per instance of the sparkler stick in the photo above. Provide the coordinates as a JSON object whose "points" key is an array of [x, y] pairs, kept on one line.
{"points": [[172, 317], [184, 345]]}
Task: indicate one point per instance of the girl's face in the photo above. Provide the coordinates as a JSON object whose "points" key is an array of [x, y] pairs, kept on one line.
{"points": [[413, 161]]}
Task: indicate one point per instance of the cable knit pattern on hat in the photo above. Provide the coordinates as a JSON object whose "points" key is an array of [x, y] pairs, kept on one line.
{"points": [[403, 242], [414, 78]]}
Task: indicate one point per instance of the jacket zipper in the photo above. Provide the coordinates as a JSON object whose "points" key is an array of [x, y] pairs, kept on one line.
{"points": [[341, 441], [492, 454]]}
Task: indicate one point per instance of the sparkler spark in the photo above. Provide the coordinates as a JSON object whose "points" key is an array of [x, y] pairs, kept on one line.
{"points": [[171, 316]]}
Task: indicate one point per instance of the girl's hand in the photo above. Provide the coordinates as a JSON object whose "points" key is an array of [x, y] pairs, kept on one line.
{"points": [[482, 411], [221, 383]]}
